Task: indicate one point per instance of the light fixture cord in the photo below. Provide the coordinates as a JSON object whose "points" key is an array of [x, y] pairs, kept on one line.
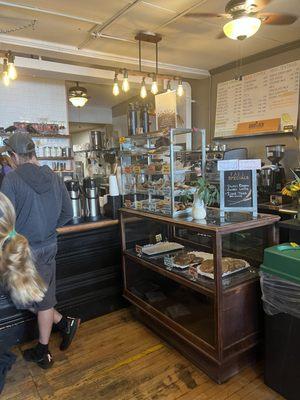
{"points": [[140, 55], [156, 58]]}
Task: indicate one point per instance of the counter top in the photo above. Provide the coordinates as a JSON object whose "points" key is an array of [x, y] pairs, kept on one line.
{"points": [[87, 226], [283, 208]]}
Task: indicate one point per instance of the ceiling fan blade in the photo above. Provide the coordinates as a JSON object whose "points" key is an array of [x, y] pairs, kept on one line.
{"points": [[221, 35], [277, 19], [258, 4], [207, 15]]}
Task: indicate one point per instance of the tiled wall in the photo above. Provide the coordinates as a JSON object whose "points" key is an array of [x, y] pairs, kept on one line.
{"points": [[33, 100]]}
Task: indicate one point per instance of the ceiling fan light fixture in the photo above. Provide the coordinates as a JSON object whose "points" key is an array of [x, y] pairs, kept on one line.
{"points": [[78, 96], [242, 28]]}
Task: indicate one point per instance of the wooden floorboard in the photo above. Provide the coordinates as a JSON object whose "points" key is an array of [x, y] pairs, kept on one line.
{"points": [[115, 357]]}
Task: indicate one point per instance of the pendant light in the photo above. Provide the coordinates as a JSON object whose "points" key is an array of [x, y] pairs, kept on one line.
{"points": [[125, 83], [5, 76], [143, 92], [242, 28], [169, 89], [116, 89], [12, 72], [78, 96], [180, 90], [154, 86]]}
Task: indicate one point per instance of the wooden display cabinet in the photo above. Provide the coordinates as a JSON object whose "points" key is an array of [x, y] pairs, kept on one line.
{"points": [[215, 322]]}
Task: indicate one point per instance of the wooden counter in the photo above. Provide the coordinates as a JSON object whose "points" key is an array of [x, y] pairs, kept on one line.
{"points": [[87, 226], [88, 274]]}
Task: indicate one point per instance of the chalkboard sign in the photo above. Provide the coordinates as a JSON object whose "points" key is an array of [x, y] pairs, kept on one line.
{"points": [[238, 191], [238, 186]]}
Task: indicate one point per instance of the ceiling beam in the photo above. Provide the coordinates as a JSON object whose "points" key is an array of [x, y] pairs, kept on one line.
{"points": [[56, 50], [96, 30], [50, 12]]}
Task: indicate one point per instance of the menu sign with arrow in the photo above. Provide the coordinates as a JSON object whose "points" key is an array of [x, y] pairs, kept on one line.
{"points": [[238, 186]]}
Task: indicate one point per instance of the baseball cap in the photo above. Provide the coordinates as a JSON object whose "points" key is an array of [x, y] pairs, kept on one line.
{"points": [[20, 143]]}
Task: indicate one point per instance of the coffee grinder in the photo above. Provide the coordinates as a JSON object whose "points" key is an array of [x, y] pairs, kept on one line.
{"points": [[272, 177]]}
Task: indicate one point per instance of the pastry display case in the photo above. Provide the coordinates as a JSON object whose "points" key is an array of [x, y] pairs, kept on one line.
{"points": [[196, 284], [160, 170]]}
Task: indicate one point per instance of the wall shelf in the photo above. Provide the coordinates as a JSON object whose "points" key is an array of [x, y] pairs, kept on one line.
{"points": [[43, 136], [55, 158], [295, 133]]}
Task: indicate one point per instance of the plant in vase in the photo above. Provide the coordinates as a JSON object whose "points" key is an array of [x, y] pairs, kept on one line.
{"points": [[292, 189], [206, 195]]}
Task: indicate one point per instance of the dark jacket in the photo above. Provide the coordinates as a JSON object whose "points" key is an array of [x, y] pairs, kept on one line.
{"points": [[41, 201]]}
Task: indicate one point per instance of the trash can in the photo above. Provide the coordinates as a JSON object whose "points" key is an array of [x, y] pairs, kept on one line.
{"points": [[280, 285]]}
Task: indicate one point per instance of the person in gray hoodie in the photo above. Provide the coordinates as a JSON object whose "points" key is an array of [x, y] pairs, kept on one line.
{"points": [[42, 204]]}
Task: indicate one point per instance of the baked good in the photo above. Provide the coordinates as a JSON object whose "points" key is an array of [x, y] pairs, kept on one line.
{"points": [[187, 259], [207, 266]]}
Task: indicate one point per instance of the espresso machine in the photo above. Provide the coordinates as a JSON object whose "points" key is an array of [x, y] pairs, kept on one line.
{"points": [[91, 204], [272, 177], [73, 188]]}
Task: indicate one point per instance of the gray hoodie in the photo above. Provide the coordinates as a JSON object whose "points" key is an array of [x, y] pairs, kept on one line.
{"points": [[41, 201]]}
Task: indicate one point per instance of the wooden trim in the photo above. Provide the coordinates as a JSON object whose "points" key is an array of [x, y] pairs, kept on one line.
{"points": [[177, 329], [171, 275], [87, 226], [266, 219], [258, 56]]}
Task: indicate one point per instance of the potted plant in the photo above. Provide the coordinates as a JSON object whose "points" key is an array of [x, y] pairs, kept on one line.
{"points": [[206, 195], [292, 189]]}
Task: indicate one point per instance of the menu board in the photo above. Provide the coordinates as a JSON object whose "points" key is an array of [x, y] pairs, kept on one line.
{"points": [[238, 189], [266, 95]]}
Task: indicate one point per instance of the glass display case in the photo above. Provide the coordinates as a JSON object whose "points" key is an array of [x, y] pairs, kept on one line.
{"points": [[160, 170], [196, 283]]}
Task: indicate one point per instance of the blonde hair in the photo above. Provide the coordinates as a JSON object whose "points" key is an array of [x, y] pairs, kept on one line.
{"points": [[17, 269]]}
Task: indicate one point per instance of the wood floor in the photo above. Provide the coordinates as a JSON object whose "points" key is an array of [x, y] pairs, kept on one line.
{"points": [[116, 358]]}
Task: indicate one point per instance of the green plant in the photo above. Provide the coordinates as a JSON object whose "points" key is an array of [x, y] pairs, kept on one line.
{"points": [[207, 192]]}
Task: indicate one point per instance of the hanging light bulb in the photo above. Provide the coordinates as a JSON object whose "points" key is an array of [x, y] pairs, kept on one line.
{"points": [[143, 92], [12, 72], [169, 89], [125, 83], [180, 90], [5, 76], [116, 89], [154, 86]]}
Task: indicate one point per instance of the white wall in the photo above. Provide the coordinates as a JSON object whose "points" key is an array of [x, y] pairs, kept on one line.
{"points": [[90, 113], [33, 100]]}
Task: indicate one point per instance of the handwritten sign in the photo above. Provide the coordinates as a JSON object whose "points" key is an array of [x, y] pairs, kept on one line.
{"points": [[238, 186], [238, 191]]}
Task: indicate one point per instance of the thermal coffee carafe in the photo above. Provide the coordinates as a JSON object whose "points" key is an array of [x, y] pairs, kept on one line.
{"points": [[75, 195], [91, 194]]}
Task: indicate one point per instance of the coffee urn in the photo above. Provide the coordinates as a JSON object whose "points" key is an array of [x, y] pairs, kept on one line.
{"points": [[91, 205], [73, 188]]}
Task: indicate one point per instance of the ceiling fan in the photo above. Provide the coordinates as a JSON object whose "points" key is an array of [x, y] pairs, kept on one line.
{"points": [[246, 18]]}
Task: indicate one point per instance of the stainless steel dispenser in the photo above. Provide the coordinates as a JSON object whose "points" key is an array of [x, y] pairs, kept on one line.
{"points": [[75, 195], [91, 204]]}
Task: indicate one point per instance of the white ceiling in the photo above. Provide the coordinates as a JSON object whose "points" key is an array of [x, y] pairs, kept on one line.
{"points": [[186, 42]]}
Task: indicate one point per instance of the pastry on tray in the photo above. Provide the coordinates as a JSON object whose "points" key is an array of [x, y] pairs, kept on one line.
{"points": [[228, 265], [187, 259]]}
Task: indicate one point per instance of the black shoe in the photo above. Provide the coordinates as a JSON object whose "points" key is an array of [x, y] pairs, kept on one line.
{"points": [[69, 333], [44, 361]]}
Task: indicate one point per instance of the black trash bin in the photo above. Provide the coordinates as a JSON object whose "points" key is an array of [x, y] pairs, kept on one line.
{"points": [[280, 284]]}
